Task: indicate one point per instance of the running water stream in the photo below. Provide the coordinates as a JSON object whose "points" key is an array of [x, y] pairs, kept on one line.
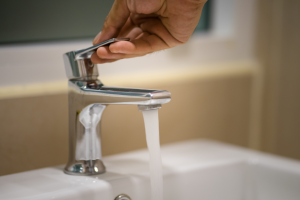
{"points": [[89, 146], [152, 137]]}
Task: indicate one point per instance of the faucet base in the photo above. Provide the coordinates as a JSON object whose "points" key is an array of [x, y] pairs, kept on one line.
{"points": [[85, 167]]}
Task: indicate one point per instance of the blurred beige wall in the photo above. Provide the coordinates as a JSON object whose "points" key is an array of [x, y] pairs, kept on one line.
{"points": [[278, 50]]}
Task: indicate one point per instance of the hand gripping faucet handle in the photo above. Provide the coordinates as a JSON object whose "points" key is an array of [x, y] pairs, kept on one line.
{"points": [[78, 64]]}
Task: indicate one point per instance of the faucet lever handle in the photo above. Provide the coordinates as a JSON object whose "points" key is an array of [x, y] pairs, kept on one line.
{"points": [[78, 63], [80, 52]]}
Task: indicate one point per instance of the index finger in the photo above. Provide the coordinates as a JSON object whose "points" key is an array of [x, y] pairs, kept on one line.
{"points": [[114, 21]]}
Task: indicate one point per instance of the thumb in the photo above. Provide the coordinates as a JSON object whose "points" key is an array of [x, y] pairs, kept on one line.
{"points": [[114, 21]]}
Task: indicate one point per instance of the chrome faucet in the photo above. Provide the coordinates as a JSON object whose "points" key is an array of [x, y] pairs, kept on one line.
{"points": [[86, 89]]}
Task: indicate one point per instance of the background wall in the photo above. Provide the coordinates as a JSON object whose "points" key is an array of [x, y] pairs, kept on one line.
{"points": [[278, 47]]}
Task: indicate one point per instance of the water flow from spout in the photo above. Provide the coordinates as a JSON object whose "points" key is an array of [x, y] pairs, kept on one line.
{"points": [[152, 137]]}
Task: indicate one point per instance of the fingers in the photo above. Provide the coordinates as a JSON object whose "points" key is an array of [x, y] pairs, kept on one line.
{"points": [[155, 37], [128, 26], [95, 59], [147, 34], [141, 46], [155, 27], [144, 44], [134, 33], [104, 55], [114, 22], [151, 36], [130, 30]]}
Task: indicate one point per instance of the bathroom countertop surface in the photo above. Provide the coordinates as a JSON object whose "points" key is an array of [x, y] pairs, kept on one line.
{"points": [[177, 157]]}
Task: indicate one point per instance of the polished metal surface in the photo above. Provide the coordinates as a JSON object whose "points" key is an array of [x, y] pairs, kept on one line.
{"points": [[84, 167], [96, 92], [81, 52], [149, 107], [122, 197], [78, 63], [85, 89]]}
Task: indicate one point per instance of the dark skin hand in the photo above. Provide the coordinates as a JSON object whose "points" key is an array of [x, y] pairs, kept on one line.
{"points": [[151, 25]]}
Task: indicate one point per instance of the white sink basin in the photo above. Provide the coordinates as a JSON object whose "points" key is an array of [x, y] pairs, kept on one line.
{"points": [[197, 169]]}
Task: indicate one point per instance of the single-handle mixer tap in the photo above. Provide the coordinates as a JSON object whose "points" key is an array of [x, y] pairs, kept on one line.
{"points": [[85, 90]]}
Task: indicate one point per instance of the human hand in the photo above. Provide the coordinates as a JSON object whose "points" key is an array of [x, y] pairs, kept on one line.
{"points": [[151, 25]]}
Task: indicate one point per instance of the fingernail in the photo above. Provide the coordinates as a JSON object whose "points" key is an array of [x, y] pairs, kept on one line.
{"points": [[96, 38]]}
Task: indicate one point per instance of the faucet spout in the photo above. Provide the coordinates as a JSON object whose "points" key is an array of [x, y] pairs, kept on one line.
{"points": [[97, 93]]}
